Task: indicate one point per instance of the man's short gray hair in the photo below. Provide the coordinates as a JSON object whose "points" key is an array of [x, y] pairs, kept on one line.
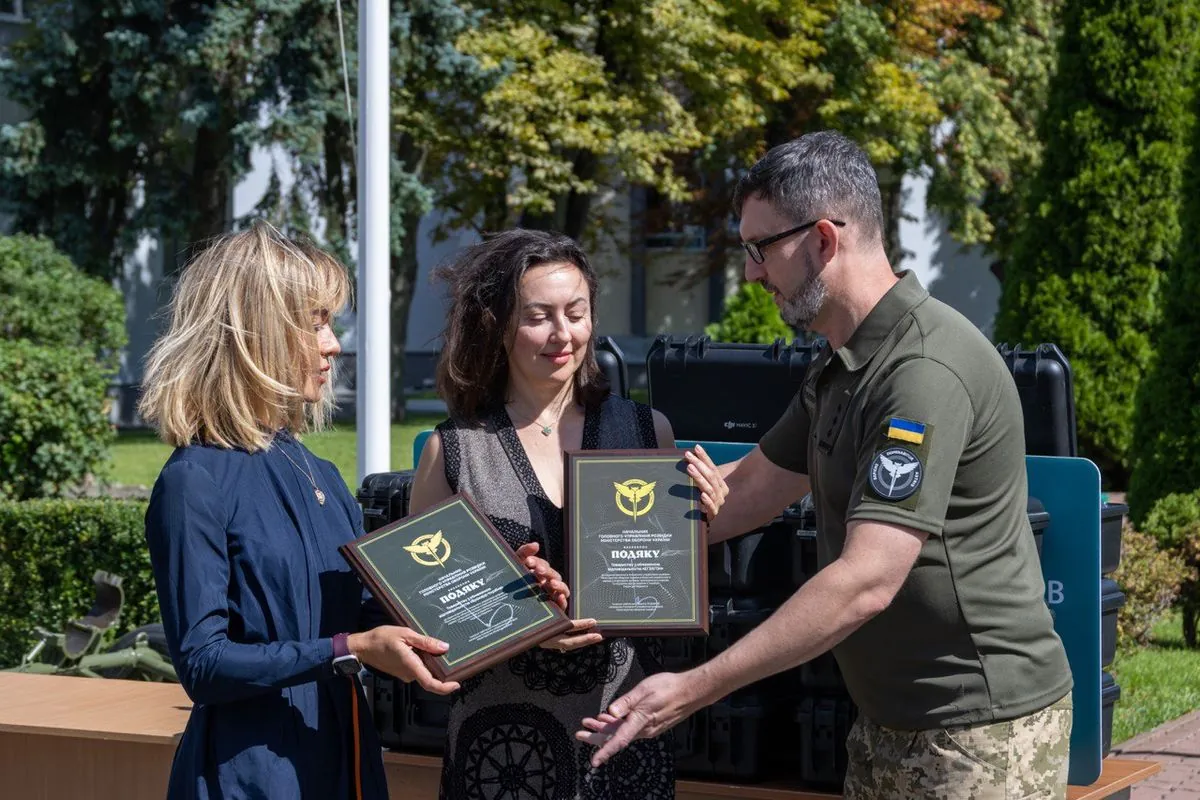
{"points": [[821, 175]]}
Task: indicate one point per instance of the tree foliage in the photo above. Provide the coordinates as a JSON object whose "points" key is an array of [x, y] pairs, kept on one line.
{"points": [[60, 333], [1166, 436], [1151, 577], [943, 88], [751, 317], [1174, 522], [142, 117], [46, 300], [589, 93], [1103, 216]]}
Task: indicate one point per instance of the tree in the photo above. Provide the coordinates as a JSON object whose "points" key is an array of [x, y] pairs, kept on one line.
{"points": [[595, 91], [1103, 221], [992, 85], [60, 331], [1165, 449], [940, 87], [751, 317], [142, 116], [313, 188]]}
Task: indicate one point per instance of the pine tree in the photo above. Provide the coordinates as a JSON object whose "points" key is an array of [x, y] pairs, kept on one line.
{"points": [[1166, 434], [1103, 217]]}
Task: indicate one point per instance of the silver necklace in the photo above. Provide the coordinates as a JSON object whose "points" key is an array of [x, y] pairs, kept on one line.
{"points": [[308, 474], [545, 429]]}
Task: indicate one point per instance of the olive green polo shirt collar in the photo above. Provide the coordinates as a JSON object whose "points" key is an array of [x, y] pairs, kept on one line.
{"points": [[871, 333]]}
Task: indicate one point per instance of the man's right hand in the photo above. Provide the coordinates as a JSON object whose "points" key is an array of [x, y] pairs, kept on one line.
{"points": [[391, 649]]}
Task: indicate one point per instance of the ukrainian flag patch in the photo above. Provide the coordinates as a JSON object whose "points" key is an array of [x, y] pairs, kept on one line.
{"points": [[906, 430]]}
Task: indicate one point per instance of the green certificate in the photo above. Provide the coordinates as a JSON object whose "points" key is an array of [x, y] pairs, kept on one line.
{"points": [[447, 573], [636, 543]]}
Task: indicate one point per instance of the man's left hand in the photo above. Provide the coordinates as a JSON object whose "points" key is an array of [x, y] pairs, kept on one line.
{"points": [[653, 707]]}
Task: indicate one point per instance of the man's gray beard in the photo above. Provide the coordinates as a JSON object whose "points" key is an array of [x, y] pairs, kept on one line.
{"points": [[802, 307]]}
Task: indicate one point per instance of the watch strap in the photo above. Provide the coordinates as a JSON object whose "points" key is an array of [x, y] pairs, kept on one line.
{"points": [[341, 648]]}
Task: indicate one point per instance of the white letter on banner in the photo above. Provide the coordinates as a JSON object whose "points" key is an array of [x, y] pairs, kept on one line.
{"points": [[1054, 592]]}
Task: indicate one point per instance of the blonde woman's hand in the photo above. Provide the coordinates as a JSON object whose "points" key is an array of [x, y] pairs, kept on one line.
{"points": [[708, 478], [393, 650]]}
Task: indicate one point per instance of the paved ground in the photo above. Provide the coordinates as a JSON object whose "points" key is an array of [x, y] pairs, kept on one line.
{"points": [[1176, 745]]}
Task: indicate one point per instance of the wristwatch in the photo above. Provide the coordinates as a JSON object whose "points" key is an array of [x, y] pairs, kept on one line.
{"points": [[344, 662]]}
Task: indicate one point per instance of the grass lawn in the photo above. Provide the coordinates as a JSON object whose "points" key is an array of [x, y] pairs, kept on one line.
{"points": [[1158, 683], [138, 456]]}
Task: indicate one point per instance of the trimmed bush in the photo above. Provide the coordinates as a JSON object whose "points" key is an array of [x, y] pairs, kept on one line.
{"points": [[46, 300], [750, 317], [1174, 523], [1166, 442], [53, 427], [1151, 578], [48, 552], [1104, 208]]}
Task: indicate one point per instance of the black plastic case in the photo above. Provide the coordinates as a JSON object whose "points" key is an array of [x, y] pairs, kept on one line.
{"points": [[1043, 378], [1039, 520], [824, 724], [611, 359], [406, 716], [1112, 519], [1110, 693], [756, 563], [384, 497], [732, 618], [1111, 600], [723, 392]]}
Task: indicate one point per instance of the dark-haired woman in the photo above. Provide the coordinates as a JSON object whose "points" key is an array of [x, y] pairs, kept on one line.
{"points": [[519, 376]]}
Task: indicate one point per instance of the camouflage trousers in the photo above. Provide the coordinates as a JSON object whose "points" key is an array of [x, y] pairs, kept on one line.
{"points": [[1022, 758]]}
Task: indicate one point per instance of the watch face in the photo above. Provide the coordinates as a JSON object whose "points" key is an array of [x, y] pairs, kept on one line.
{"points": [[347, 665]]}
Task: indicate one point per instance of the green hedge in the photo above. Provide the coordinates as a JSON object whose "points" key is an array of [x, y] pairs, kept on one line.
{"points": [[1104, 208], [54, 429], [48, 552], [750, 317]]}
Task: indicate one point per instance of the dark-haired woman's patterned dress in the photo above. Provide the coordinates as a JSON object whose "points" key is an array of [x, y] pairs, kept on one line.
{"points": [[511, 734]]}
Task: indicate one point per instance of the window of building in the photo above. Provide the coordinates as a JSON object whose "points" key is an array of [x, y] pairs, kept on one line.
{"points": [[13, 10], [672, 225]]}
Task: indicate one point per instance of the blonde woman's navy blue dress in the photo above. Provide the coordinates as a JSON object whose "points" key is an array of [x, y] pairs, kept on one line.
{"points": [[252, 588]]}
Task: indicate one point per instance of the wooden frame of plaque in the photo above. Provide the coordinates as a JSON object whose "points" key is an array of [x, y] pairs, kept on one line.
{"points": [[447, 572], [643, 531]]}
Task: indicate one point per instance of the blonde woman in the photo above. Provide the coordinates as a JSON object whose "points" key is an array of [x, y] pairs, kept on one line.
{"points": [[264, 620]]}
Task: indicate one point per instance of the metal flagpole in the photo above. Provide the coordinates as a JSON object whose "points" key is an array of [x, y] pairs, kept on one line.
{"points": [[373, 377]]}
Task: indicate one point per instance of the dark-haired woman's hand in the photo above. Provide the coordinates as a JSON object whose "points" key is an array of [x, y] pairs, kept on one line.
{"points": [[548, 578], [580, 635], [392, 649], [709, 480]]}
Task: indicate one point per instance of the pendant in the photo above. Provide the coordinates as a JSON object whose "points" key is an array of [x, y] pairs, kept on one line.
{"points": [[320, 496], [546, 429]]}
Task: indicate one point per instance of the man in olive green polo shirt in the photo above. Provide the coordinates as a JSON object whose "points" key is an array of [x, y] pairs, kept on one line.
{"points": [[908, 432]]}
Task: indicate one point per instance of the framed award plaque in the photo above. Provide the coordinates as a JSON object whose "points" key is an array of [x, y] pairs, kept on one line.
{"points": [[447, 573], [636, 544]]}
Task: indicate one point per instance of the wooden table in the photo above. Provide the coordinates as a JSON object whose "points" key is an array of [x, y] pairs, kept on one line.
{"points": [[1118, 774], [113, 740], [87, 737]]}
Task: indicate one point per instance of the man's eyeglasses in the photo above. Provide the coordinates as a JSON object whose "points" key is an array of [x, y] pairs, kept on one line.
{"points": [[755, 249]]}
